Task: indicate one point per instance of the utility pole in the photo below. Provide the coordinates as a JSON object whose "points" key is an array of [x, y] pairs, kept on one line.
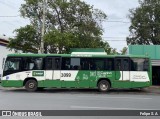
{"points": [[43, 26]]}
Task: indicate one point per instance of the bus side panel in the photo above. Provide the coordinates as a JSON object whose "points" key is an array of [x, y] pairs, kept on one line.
{"points": [[89, 78], [121, 80], [68, 78], [139, 79], [14, 80], [140, 84], [70, 84], [83, 79], [50, 83], [122, 84], [110, 75], [12, 83]]}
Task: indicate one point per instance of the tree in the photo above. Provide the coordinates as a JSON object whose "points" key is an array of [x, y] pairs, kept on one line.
{"points": [[56, 43], [69, 24], [145, 23], [124, 51], [109, 50], [27, 40]]}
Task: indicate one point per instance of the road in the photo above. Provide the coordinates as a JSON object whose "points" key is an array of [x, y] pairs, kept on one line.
{"points": [[62, 99]]}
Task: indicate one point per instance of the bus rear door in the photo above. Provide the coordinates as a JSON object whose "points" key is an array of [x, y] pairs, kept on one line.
{"points": [[122, 67]]}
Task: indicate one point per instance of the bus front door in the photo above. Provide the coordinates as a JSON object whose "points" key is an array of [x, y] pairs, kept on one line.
{"points": [[53, 72], [122, 72]]}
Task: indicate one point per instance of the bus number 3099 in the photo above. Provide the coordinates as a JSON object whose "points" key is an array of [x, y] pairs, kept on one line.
{"points": [[65, 74]]}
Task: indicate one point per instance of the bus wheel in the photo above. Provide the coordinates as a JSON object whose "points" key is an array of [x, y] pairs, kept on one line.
{"points": [[103, 86], [31, 85]]}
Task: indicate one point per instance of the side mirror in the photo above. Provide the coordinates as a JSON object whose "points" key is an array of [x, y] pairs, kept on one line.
{"points": [[3, 63]]}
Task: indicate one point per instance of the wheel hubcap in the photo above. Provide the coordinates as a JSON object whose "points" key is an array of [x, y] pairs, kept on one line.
{"points": [[104, 87], [31, 85]]}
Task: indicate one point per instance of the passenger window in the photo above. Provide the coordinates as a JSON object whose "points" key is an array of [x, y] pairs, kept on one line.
{"points": [[118, 65], [146, 65], [139, 64], [99, 64], [125, 65], [49, 64], [33, 63], [92, 64], [66, 64], [71, 64], [85, 63], [75, 63], [56, 65], [109, 64]]}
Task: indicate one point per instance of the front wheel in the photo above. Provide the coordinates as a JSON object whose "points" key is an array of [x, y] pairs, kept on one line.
{"points": [[103, 86], [31, 85]]}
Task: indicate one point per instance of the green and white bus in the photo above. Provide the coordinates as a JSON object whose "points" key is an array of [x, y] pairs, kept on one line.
{"points": [[38, 71]]}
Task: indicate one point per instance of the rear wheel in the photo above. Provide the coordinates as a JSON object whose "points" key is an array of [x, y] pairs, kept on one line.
{"points": [[31, 85], [103, 86]]}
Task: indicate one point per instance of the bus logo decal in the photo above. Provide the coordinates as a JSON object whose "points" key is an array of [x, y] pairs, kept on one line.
{"points": [[38, 73], [7, 77]]}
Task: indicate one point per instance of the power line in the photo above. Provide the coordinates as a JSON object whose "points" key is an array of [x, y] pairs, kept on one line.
{"points": [[10, 16], [112, 37], [8, 5], [119, 21], [116, 40]]}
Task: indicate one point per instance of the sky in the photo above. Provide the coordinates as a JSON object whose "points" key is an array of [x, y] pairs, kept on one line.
{"points": [[116, 27]]}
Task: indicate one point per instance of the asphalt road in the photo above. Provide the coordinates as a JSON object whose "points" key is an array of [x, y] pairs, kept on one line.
{"points": [[62, 99]]}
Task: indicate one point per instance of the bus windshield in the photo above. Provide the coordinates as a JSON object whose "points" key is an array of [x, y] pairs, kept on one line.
{"points": [[12, 64]]}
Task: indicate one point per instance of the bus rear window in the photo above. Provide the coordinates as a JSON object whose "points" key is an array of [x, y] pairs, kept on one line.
{"points": [[139, 64]]}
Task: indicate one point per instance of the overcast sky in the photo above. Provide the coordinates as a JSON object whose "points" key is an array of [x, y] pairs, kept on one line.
{"points": [[116, 10]]}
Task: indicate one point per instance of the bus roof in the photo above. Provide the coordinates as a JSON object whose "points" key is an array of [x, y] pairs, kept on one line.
{"points": [[74, 55]]}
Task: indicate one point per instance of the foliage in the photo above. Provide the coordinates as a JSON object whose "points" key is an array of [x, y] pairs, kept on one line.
{"points": [[69, 24], [27, 40], [145, 23], [109, 50], [124, 51]]}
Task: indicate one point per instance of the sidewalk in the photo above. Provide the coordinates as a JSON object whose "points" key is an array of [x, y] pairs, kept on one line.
{"points": [[152, 89]]}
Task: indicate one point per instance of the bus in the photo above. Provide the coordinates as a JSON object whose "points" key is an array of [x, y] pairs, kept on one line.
{"points": [[102, 72]]}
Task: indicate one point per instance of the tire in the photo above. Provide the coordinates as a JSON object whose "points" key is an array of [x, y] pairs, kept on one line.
{"points": [[103, 86], [31, 85]]}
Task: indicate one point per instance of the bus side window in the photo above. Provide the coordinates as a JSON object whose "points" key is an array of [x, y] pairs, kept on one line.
{"points": [[31, 66], [118, 64], [125, 64], [84, 64], [66, 64], [56, 65], [48, 63], [92, 65], [133, 65], [109, 64], [146, 65], [139, 64], [33, 63], [75, 63], [98, 64]]}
